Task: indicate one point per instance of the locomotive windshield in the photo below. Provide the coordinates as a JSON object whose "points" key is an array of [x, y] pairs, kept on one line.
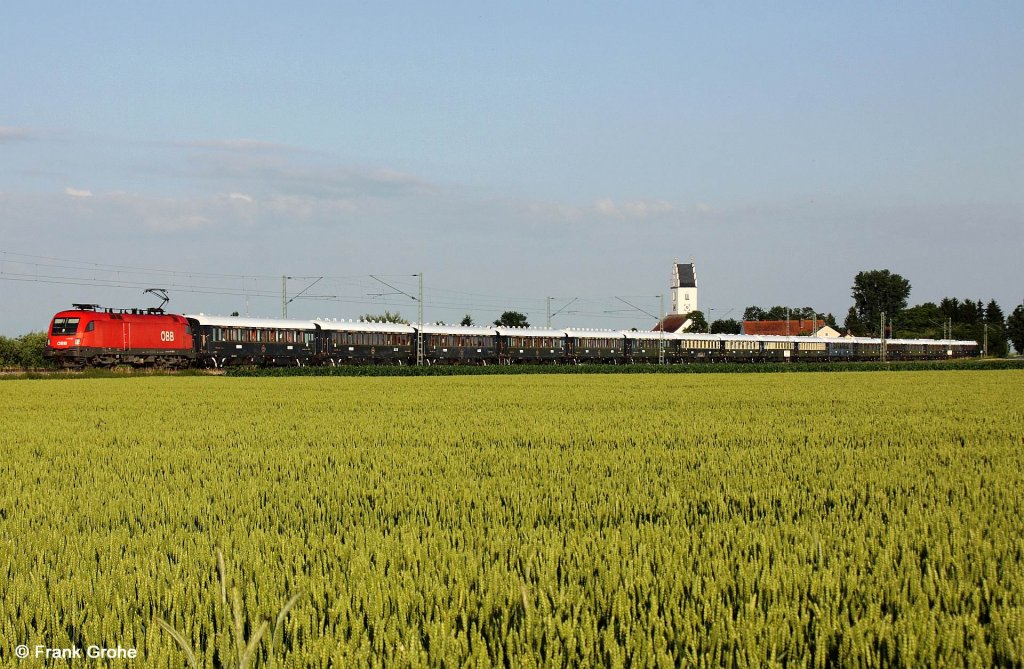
{"points": [[64, 327]]}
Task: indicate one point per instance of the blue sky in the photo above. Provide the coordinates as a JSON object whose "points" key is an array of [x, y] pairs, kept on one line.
{"points": [[509, 152]]}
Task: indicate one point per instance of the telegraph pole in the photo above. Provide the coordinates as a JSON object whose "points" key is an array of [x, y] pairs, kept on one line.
{"points": [[419, 311], [881, 335], [284, 293], [661, 333], [564, 307], [419, 330]]}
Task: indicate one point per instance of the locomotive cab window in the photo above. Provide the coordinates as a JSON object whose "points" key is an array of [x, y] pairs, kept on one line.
{"points": [[64, 327], [90, 326]]}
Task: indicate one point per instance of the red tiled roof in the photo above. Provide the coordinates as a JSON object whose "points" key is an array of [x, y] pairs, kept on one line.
{"points": [[672, 322], [791, 327]]}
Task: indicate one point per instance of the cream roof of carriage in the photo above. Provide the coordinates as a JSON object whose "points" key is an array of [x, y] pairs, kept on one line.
{"points": [[363, 326], [255, 323]]}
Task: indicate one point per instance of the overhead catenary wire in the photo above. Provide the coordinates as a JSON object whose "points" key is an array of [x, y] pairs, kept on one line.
{"points": [[358, 290]]}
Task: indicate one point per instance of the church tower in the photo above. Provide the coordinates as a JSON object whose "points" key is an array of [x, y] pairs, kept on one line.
{"points": [[684, 287]]}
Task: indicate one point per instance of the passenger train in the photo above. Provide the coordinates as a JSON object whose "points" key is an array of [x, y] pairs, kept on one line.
{"points": [[88, 336]]}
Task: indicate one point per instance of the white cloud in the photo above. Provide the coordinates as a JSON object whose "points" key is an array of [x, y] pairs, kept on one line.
{"points": [[635, 209], [262, 174], [174, 223], [239, 196], [78, 192], [11, 134], [239, 145]]}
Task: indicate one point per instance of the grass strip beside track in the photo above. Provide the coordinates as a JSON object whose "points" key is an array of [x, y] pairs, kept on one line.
{"points": [[688, 368]]}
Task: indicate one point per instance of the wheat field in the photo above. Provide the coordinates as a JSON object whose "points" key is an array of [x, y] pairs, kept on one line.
{"points": [[681, 520]]}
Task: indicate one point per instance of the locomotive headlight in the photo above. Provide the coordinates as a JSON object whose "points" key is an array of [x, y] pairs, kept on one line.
{"points": [[78, 342]]}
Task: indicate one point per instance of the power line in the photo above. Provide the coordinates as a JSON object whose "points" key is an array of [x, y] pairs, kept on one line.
{"points": [[351, 289]]}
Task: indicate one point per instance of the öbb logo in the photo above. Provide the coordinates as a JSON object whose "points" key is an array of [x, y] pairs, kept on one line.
{"points": [[166, 335]]}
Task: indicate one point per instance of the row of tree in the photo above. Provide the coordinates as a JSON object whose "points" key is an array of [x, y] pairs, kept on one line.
{"points": [[879, 292], [756, 313], [781, 313]]}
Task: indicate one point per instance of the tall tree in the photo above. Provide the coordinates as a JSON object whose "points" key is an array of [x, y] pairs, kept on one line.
{"points": [[969, 312], [919, 321], [994, 314], [878, 291], [950, 308], [852, 323], [512, 319], [725, 326], [754, 313], [699, 324], [1015, 329], [997, 336]]}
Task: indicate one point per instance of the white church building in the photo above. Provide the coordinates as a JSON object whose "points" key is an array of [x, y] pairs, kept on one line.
{"points": [[684, 287]]}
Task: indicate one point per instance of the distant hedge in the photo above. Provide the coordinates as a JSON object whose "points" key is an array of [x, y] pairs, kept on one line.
{"points": [[24, 352], [686, 368]]}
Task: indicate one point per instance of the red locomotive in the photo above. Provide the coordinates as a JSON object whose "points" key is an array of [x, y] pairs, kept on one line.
{"points": [[88, 336]]}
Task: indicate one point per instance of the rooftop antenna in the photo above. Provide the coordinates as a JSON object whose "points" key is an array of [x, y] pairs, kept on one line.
{"points": [[162, 294]]}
